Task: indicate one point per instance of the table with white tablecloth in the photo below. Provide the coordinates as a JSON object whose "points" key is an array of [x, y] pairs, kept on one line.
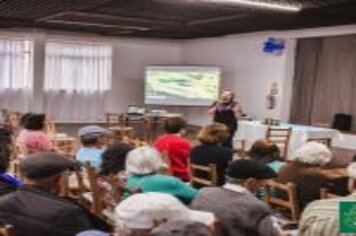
{"points": [[250, 131]]}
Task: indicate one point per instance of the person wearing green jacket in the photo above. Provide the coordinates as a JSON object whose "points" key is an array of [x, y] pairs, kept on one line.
{"points": [[143, 166]]}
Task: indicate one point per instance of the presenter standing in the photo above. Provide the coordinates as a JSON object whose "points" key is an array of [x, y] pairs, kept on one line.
{"points": [[227, 111]]}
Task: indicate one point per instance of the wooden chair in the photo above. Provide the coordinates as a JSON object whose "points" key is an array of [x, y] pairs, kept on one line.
{"points": [[240, 147], [94, 196], [138, 124], [65, 145], [77, 186], [288, 202], [114, 119], [7, 230], [325, 194], [50, 129], [209, 170], [64, 184], [280, 136]]}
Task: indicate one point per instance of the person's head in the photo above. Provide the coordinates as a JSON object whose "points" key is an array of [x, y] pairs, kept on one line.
{"points": [[182, 228], [143, 160], [313, 154], [94, 136], [227, 96], [34, 122], [264, 151], [250, 174], [44, 170], [213, 134], [140, 213], [4, 158], [114, 159], [351, 171], [175, 125], [24, 117]]}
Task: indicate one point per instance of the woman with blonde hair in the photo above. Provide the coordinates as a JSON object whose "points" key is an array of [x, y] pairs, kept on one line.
{"points": [[210, 150]]}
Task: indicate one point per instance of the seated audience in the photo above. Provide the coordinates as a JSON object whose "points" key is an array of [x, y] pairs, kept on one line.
{"points": [[143, 165], [235, 205], [32, 138], [182, 228], [211, 152], [321, 218], [175, 147], [8, 183], [304, 172], [94, 140], [113, 163], [142, 212], [36, 209], [266, 152]]}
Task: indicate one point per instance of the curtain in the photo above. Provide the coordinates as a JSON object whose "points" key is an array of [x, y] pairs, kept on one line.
{"points": [[307, 59], [325, 80], [77, 79], [15, 74]]}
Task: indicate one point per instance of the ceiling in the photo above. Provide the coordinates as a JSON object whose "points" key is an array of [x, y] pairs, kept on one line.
{"points": [[171, 19]]}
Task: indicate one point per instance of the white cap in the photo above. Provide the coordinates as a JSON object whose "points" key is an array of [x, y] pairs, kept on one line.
{"points": [[146, 210], [313, 153], [143, 160]]}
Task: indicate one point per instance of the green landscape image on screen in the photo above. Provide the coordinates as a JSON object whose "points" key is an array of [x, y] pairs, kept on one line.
{"points": [[183, 84]]}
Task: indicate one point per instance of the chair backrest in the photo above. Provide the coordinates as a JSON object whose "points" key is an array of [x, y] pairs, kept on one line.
{"points": [[50, 129], [209, 170], [80, 185], [97, 204], [7, 230], [66, 145], [325, 194], [289, 200], [280, 136], [114, 119], [64, 185]]}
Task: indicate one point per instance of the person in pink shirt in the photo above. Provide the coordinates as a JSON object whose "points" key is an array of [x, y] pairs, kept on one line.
{"points": [[32, 138]]}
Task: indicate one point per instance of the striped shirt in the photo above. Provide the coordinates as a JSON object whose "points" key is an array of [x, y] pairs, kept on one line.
{"points": [[321, 218]]}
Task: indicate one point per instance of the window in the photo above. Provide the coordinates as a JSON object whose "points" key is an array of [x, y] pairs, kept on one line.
{"points": [[16, 64], [77, 79], [77, 67]]}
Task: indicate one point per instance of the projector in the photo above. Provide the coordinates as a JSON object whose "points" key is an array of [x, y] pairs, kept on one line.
{"points": [[159, 112]]}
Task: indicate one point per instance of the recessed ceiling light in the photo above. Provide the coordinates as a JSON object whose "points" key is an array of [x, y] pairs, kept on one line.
{"points": [[261, 4], [81, 23]]}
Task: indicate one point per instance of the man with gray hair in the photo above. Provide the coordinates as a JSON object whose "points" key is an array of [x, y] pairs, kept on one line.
{"points": [[304, 170], [235, 206], [322, 217]]}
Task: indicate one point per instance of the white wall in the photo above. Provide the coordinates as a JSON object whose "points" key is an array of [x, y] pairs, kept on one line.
{"points": [[247, 70]]}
